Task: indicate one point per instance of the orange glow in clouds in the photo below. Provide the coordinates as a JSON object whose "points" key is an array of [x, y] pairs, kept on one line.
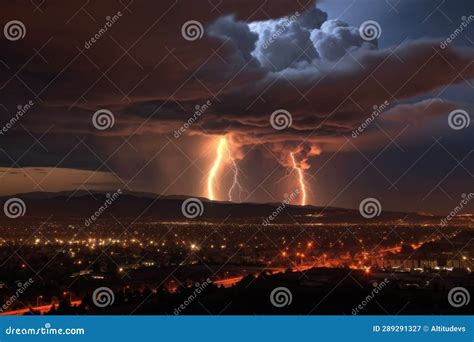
{"points": [[224, 160]]}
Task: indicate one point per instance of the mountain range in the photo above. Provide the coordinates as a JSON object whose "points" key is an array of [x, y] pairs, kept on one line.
{"points": [[83, 204]]}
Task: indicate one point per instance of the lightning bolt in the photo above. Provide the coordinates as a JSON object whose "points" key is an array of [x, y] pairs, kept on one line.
{"points": [[223, 155], [301, 180], [235, 183], [221, 147]]}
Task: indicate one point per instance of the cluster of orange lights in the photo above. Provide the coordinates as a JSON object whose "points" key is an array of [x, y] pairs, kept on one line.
{"points": [[325, 261]]}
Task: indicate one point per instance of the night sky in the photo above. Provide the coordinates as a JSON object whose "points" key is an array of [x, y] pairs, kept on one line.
{"points": [[253, 58]]}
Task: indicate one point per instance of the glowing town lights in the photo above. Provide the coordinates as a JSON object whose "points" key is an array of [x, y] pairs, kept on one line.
{"points": [[300, 179]]}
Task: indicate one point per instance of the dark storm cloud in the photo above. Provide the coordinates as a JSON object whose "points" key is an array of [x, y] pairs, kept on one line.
{"points": [[320, 70], [253, 59], [339, 97]]}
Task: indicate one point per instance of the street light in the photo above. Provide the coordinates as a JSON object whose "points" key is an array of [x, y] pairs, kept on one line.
{"points": [[70, 295]]}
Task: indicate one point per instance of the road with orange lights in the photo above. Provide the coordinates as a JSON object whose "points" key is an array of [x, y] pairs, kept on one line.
{"points": [[229, 282], [42, 309]]}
